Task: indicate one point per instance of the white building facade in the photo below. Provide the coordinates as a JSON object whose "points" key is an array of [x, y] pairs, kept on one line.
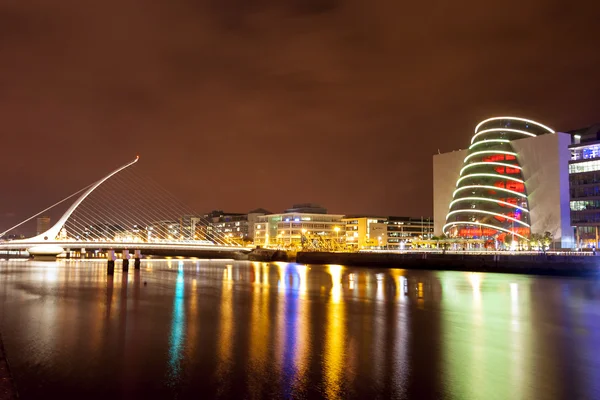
{"points": [[512, 181]]}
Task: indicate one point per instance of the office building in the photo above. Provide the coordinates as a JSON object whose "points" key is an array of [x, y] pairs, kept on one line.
{"points": [[402, 231], [193, 227], [237, 227], [43, 224], [511, 182], [296, 225], [584, 179], [390, 232]]}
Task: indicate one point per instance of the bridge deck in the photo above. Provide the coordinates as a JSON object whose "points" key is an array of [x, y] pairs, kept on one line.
{"points": [[18, 245]]}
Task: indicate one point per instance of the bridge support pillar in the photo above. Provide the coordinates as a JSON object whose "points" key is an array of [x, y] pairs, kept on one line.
{"points": [[125, 256], [110, 256], [137, 255]]}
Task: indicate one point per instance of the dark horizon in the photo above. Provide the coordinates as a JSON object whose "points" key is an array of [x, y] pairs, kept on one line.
{"points": [[241, 105]]}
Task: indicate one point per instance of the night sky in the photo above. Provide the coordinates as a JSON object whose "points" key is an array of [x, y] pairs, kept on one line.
{"points": [[239, 104]]}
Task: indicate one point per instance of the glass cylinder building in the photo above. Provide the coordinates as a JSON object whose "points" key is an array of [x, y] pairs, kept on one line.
{"points": [[491, 199]]}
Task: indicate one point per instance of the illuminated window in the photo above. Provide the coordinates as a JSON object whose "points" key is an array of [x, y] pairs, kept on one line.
{"points": [[587, 166]]}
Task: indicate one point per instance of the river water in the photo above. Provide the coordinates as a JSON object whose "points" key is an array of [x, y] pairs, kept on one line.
{"points": [[224, 329]]}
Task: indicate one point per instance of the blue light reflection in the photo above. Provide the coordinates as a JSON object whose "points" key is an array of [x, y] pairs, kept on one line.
{"points": [[177, 327]]}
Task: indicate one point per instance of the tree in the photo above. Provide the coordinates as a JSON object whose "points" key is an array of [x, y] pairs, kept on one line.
{"points": [[508, 239], [535, 241], [547, 239], [541, 241]]}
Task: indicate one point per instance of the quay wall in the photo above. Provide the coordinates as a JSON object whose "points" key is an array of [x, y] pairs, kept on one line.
{"points": [[541, 264]]}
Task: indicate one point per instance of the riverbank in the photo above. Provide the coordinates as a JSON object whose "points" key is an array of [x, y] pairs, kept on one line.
{"points": [[7, 387], [539, 264]]}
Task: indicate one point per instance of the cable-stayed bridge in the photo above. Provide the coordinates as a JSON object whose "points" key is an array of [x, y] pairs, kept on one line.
{"points": [[126, 211]]}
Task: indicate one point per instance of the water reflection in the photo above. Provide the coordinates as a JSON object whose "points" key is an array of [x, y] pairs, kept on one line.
{"points": [[335, 346], [226, 325], [277, 330], [496, 353], [177, 327]]}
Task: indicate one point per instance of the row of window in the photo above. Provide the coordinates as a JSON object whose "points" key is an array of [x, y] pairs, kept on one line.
{"points": [[586, 153], [582, 192], [283, 226], [410, 228], [583, 217], [585, 230], [407, 234], [580, 205], [325, 218], [587, 166]]}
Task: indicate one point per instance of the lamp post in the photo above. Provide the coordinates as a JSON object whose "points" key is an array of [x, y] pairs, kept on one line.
{"points": [[337, 231]]}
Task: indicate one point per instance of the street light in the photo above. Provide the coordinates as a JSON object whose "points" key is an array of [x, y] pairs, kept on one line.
{"points": [[337, 231]]}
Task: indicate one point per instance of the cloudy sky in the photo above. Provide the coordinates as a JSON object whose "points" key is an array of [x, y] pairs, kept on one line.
{"points": [[238, 104]]}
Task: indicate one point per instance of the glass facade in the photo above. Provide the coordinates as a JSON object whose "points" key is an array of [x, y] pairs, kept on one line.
{"points": [[584, 182], [490, 200], [587, 166]]}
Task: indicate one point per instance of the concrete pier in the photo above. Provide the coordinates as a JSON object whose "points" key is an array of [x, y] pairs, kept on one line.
{"points": [[125, 257], [110, 267], [137, 255]]}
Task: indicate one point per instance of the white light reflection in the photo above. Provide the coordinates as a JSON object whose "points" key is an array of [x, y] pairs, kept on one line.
{"points": [[302, 285], [336, 280], [519, 344], [379, 291], [475, 279], [51, 272], [403, 287], [514, 305]]}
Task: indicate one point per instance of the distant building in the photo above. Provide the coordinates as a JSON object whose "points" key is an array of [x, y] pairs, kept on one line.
{"points": [[253, 217], [191, 227], [584, 181], [403, 230], [237, 227], [390, 232], [43, 224], [164, 230], [362, 231], [296, 225]]}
